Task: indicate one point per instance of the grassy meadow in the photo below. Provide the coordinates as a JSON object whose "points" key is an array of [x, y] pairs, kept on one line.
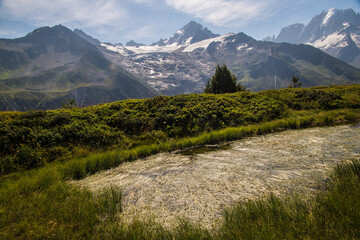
{"points": [[41, 150]]}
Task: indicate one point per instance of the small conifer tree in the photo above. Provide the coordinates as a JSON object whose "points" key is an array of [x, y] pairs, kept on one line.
{"points": [[295, 82], [223, 81]]}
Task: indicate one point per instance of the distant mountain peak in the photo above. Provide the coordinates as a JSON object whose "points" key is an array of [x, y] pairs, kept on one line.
{"points": [[132, 43], [330, 13], [191, 33], [58, 38], [290, 33], [335, 31], [326, 23], [52, 64], [87, 37], [49, 30], [192, 27]]}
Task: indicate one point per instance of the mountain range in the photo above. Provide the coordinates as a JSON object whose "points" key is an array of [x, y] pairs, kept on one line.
{"points": [[184, 62], [336, 32], [52, 64]]}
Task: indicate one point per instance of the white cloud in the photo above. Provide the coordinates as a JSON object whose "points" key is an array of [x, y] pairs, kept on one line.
{"points": [[225, 12], [91, 13], [4, 32], [144, 33], [144, 1]]}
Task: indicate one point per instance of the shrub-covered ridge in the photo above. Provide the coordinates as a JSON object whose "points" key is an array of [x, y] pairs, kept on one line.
{"points": [[40, 204], [30, 139]]}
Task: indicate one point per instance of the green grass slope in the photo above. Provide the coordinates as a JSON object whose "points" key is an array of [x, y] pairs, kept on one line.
{"points": [[41, 150], [33, 138]]}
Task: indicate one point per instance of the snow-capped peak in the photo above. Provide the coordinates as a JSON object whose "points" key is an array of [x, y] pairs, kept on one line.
{"points": [[179, 32], [329, 14], [191, 33]]}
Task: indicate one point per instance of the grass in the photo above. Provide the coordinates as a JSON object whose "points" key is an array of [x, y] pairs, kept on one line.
{"points": [[40, 204], [74, 213], [44, 207], [78, 168], [34, 138], [333, 214]]}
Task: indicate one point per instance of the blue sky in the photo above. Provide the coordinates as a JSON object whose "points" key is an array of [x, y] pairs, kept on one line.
{"points": [[147, 21]]}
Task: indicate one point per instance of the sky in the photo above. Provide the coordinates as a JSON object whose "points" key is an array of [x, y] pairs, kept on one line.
{"points": [[146, 21]]}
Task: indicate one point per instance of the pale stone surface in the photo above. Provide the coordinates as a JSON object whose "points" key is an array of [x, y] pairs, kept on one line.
{"points": [[170, 185]]}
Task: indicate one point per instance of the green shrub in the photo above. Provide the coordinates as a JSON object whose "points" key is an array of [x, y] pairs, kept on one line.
{"points": [[130, 123], [27, 158], [6, 165]]}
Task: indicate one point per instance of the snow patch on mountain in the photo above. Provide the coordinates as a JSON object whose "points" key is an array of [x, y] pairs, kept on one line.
{"points": [[241, 47], [333, 40], [191, 33], [179, 32], [205, 43], [356, 39], [329, 14], [131, 50], [154, 49], [116, 48]]}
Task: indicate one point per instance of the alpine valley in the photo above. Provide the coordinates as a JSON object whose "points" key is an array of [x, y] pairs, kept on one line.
{"points": [[51, 65]]}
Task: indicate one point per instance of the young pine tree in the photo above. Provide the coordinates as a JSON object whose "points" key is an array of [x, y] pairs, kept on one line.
{"points": [[223, 81], [295, 82]]}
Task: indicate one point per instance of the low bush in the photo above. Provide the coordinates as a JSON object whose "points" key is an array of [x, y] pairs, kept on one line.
{"points": [[33, 138]]}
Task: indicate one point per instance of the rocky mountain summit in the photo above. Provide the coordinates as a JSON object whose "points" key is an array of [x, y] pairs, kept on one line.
{"points": [[337, 32], [191, 33]]}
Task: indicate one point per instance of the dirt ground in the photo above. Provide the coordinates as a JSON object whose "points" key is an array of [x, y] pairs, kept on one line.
{"points": [[201, 185]]}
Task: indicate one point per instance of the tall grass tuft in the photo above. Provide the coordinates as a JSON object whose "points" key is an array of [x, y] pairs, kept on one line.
{"points": [[333, 214], [111, 200]]}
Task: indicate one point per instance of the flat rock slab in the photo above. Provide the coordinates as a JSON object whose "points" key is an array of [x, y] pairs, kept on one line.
{"points": [[200, 186]]}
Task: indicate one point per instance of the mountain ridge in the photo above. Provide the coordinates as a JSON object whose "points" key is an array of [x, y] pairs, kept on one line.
{"points": [[191, 33], [336, 31], [175, 69], [95, 73], [51, 64]]}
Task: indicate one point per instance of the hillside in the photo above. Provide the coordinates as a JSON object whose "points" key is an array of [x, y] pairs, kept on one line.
{"points": [[44, 152], [50, 65], [33, 138]]}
